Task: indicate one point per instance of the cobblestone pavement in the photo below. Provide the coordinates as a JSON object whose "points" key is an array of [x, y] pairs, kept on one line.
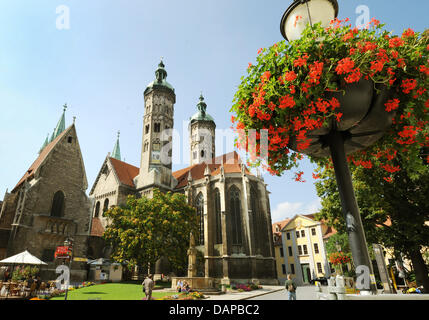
{"points": [[247, 295], [302, 293]]}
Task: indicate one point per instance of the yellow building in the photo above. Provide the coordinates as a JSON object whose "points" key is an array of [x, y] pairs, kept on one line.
{"points": [[304, 254], [278, 250]]}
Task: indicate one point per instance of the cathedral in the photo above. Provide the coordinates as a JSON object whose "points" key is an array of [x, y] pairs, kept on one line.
{"points": [[49, 204], [232, 204]]}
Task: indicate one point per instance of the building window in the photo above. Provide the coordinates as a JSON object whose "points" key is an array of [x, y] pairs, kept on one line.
{"points": [[57, 209], [259, 224], [305, 249], [97, 209], [302, 233], [319, 268], [288, 236], [235, 207], [106, 205], [147, 129], [297, 234], [281, 252], [316, 248], [199, 204], [300, 250], [292, 269], [70, 139], [218, 217], [290, 251], [202, 153], [283, 269], [157, 127], [313, 231]]}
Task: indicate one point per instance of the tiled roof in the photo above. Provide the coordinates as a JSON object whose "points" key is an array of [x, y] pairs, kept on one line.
{"points": [[97, 228], [41, 158], [125, 172], [329, 233], [231, 164], [280, 225]]}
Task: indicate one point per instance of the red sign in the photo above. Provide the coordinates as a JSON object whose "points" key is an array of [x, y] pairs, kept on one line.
{"points": [[63, 252]]}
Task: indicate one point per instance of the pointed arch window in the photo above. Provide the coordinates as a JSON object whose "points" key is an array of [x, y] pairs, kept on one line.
{"points": [[106, 205], [218, 217], [259, 222], [97, 210], [58, 205], [235, 207], [199, 204]]}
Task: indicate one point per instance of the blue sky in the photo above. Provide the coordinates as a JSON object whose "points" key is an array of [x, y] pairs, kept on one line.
{"points": [[101, 65]]}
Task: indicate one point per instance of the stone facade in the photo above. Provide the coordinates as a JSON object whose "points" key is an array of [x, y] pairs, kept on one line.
{"points": [[233, 205], [49, 205]]}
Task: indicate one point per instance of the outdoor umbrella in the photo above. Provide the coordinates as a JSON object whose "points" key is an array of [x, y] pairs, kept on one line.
{"points": [[22, 258]]}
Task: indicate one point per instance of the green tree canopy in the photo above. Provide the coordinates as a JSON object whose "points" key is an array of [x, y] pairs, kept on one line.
{"points": [[144, 230], [394, 212]]}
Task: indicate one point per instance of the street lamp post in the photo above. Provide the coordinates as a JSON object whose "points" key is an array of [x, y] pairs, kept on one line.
{"points": [[342, 138]]}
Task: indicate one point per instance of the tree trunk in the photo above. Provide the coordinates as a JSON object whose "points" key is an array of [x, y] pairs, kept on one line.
{"points": [[420, 269]]}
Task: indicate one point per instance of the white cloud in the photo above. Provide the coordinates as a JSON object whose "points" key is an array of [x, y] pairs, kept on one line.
{"points": [[287, 210]]}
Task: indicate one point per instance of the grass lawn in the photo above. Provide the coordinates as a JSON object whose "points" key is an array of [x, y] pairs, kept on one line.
{"points": [[111, 291]]}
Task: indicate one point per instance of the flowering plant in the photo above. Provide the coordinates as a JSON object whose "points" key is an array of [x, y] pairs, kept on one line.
{"points": [[339, 258], [290, 94]]}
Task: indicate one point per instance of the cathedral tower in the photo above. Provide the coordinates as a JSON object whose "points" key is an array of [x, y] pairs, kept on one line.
{"points": [[202, 135], [158, 122]]}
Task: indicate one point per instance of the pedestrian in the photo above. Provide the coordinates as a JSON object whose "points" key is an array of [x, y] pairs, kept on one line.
{"points": [[290, 287], [148, 285], [6, 275], [179, 286]]}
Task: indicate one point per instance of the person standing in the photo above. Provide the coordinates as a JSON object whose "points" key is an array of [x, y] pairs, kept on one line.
{"points": [[290, 287], [148, 285]]}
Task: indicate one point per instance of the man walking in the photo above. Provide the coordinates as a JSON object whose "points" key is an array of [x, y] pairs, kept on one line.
{"points": [[290, 287], [148, 285]]}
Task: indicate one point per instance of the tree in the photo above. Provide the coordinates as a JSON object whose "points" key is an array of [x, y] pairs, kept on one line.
{"points": [[144, 230], [394, 211]]}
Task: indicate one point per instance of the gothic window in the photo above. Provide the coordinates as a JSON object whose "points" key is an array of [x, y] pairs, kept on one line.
{"points": [[70, 139], [147, 129], [235, 207], [218, 217], [157, 127], [146, 147], [259, 223], [106, 205], [57, 209], [97, 209], [199, 204], [202, 153]]}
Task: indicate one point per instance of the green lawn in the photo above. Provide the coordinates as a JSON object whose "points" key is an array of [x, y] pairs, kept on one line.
{"points": [[111, 291]]}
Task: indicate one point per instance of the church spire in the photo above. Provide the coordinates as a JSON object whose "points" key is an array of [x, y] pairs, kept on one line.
{"points": [[117, 150], [44, 144], [202, 106], [61, 125]]}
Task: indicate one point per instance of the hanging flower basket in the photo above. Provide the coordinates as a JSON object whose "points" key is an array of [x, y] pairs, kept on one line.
{"points": [[368, 84]]}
